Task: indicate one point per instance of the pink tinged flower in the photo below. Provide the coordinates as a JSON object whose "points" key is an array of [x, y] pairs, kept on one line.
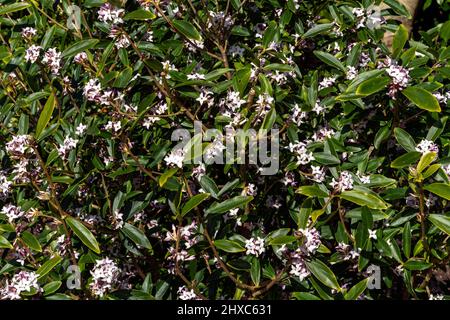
{"points": [[81, 129], [175, 158], [113, 126], [68, 144], [24, 281], [345, 182], [52, 58], [186, 294], [28, 32], [80, 57], [92, 90], [109, 14], [426, 146], [32, 53], [12, 212], [104, 276], [255, 246]]}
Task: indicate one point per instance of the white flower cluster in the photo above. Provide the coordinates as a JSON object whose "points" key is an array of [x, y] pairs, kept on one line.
{"points": [[159, 109], [263, 105], [426, 146], [93, 90], [199, 171], [24, 281], [113, 126], [298, 115], [80, 58], [442, 98], [345, 182], [175, 158], [230, 107], [187, 234], [68, 144], [327, 82], [301, 152], [298, 265], [255, 246], [206, 96], [32, 53], [347, 252], [186, 294], [400, 76], [236, 50], [214, 150], [351, 73], [12, 212], [322, 133], [311, 240], [104, 276], [318, 174], [28, 32], [109, 14], [363, 178], [369, 18], [219, 19], [19, 146], [52, 58], [117, 219], [5, 185]]}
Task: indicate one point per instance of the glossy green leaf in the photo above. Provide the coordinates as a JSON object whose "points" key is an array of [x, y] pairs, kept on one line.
{"points": [[405, 140], [78, 47], [187, 29], [136, 235], [83, 234], [312, 191], [228, 246], [440, 189], [194, 202], [364, 197], [229, 204], [323, 273], [31, 241], [406, 160], [441, 221], [48, 266], [422, 98], [46, 114], [356, 290]]}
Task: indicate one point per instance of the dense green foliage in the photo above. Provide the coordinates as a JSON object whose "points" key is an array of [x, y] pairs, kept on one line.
{"points": [[96, 204]]}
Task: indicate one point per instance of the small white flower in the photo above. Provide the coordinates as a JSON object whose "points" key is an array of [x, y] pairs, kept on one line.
{"points": [[327, 82], [186, 294], [345, 182], [175, 157], [32, 53], [113, 126], [426, 146], [81, 129], [12, 212], [104, 275], [373, 234], [255, 246], [80, 57], [196, 76], [351, 73], [28, 32], [52, 58], [109, 14], [24, 281]]}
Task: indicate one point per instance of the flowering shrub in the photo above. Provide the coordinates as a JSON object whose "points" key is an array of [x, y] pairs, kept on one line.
{"points": [[97, 202]]}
